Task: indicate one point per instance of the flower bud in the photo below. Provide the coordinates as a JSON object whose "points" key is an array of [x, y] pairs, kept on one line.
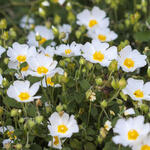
{"points": [[31, 123], [39, 119], [48, 24], [71, 17], [18, 146], [42, 12], [123, 96], [62, 63], [122, 83], [38, 103], [68, 6], [104, 104], [5, 36], [62, 35], [84, 70], [5, 82], [55, 31], [119, 101], [21, 120], [82, 61], [113, 66], [1, 111], [115, 84], [38, 37], [14, 112], [57, 19], [89, 65], [148, 71], [6, 61], [99, 139], [59, 108], [45, 3], [88, 93], [3, 24], [12, 33], [99, 81], [48, 109], [144, 108], [78, 34]]}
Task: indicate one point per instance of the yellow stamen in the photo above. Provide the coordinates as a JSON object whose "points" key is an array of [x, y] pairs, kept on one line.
{"points": [[24, 96], [21, 58], [56, 140], [42, 69], [133, 135], [43, 40], [25, 68], [98, 56], [49, 81], [145, 147], [47, 55], [10, 135], [138, 93], [92, 23], [68, 51], [62, 129], [102, 37], [129, 63]]}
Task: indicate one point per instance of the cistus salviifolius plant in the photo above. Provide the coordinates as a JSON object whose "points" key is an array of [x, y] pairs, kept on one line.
{"points": [[75, 74]]}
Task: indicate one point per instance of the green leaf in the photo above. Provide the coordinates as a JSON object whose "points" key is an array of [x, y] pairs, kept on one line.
{"points": [[31, 110], [84, 84], [142, 36], [7, 71], [89, 146], [36, 147], [75, 144], [11, 103]]}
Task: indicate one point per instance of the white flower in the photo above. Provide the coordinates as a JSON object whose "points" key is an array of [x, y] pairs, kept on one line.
{"points": [[97, 52], [73, 49], [103, 35], [26, 22], [129, 111], [48, 51], [45, 33], [41, 65], [1, 79], [9, 130], [130, 60], [20, 73], [48, 82], [107, 125], [61, 2], [94, 18], [22, 92], [56, 143], [144, 145], [20, 52], [2, 50], [130, 131], [62, 125], [65, 28], [45, 3], [137, 90]]}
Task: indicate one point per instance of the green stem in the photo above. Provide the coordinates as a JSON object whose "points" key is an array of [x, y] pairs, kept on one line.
{"points": [[115, 95], [99, 117], [89, 113]]}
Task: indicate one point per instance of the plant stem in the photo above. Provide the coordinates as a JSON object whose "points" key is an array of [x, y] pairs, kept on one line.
{"points": [[89, 113]]}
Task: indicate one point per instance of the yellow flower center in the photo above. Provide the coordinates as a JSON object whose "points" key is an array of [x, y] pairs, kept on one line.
{"points": [[138, 93], [56, 140], [98, 56], [49, 81], [42, 69], [24, 96], [102, 37], [133, 135], [68, 51], [129, 63], [47, 55], [25, 68], [145, 147], [10, 135], [92, 23], [55, 1], [21, 58], [43, 40], [62, 129]]}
